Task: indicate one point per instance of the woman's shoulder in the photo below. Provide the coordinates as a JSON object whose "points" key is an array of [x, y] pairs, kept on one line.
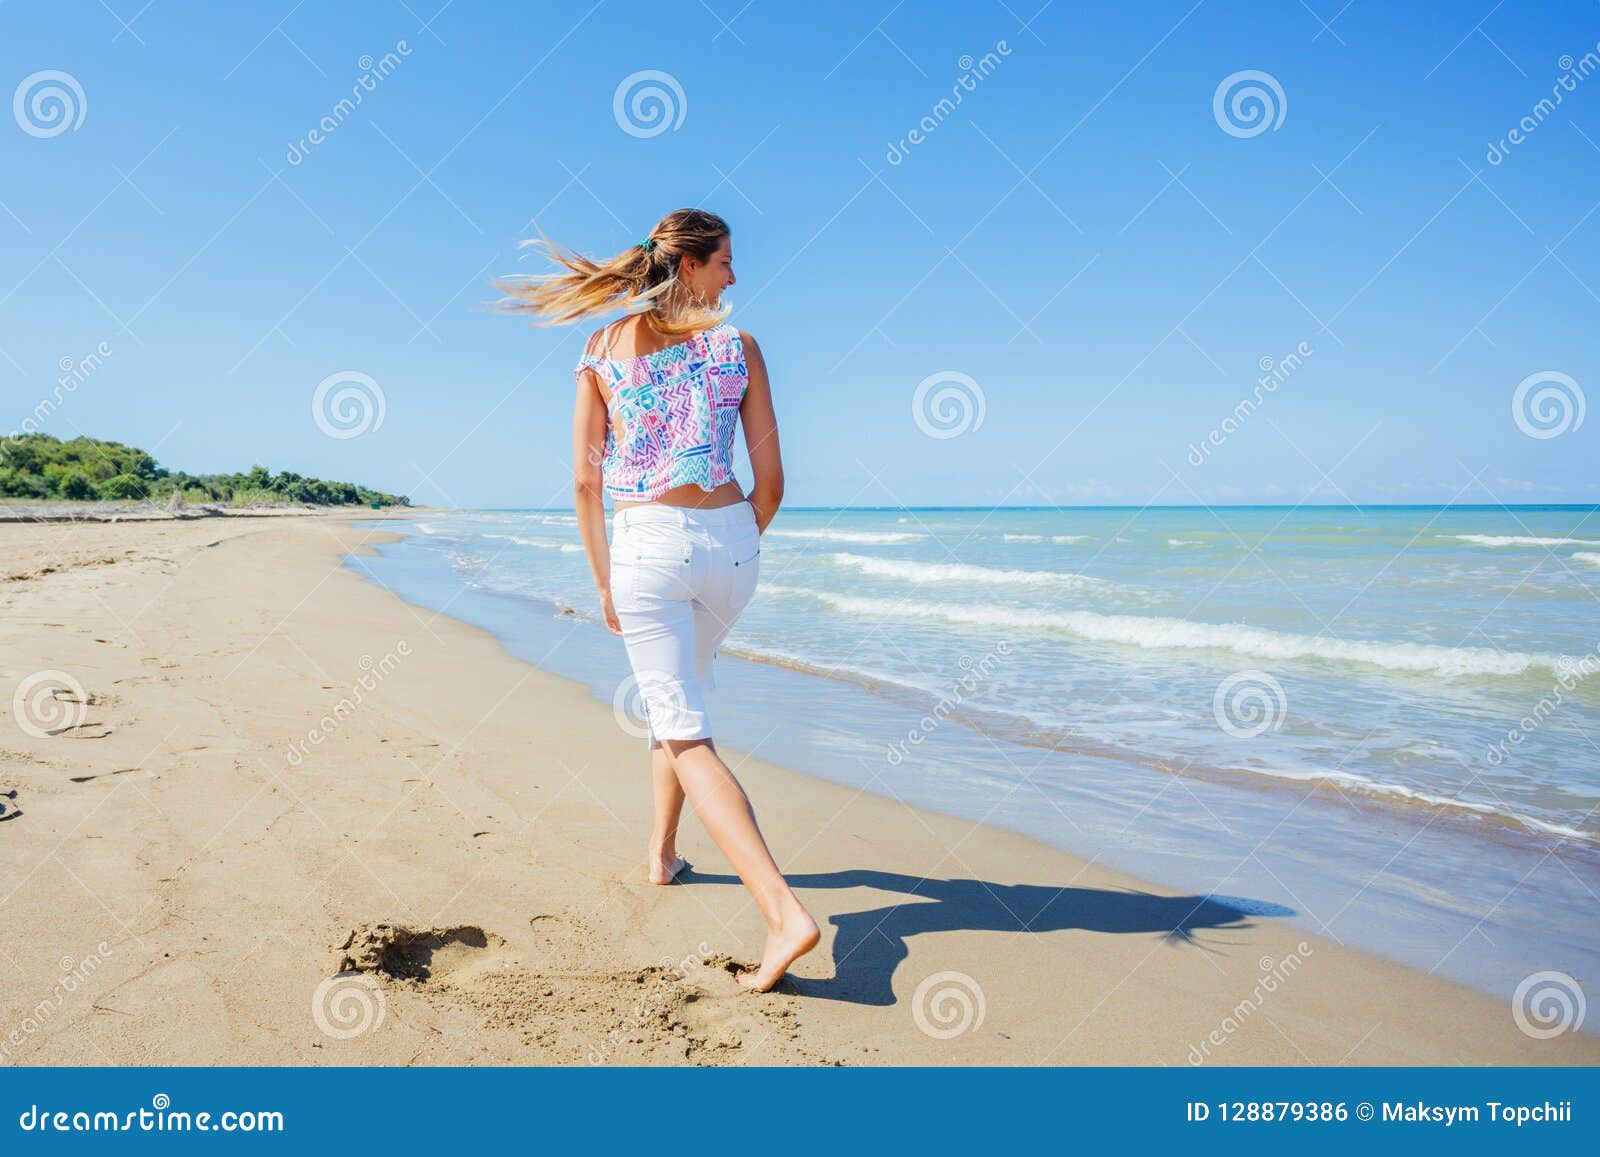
{"points": [[600, 339], [747, 345]]}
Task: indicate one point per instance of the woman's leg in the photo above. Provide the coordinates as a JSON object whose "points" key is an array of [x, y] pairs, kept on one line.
{"points": [[725, 810], [664, 862]]}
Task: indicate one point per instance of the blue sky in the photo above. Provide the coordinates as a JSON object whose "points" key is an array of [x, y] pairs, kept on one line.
{"points": [[1080, 238]]}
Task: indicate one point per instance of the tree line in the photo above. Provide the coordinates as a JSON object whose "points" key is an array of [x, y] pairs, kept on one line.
{"points": [[88, 469]]}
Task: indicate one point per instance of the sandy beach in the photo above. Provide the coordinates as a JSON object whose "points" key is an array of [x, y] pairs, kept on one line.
{"points": [[259, 810]]}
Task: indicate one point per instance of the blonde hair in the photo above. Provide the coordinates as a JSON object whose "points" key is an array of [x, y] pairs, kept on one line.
{"points": [[636, 276]]}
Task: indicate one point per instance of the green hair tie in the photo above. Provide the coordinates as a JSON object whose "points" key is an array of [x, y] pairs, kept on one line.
{"points": [[647, 244]]}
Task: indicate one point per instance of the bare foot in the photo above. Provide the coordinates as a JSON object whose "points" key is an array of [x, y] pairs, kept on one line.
{"points": [[797, 936], [664, 871]]}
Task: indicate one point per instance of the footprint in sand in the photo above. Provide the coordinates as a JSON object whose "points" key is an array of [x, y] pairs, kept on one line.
{"points": [[425, 954], [689, 1011], [106, 774]]}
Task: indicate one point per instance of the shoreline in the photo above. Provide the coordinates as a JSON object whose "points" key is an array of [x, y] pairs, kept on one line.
{"points": [[498, 805], [1412, 885], [1381, 798]]}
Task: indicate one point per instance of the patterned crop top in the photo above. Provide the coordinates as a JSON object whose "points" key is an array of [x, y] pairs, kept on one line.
{"points": [[678, 408]]}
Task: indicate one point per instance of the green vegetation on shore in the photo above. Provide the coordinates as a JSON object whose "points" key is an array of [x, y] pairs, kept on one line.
{"points": [[41, 466]]}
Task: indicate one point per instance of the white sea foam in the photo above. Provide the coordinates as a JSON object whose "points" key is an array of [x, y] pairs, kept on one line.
{"points": [[889, 536], [1400, 791], [1181, 634], [1520, 540], [956, 572], [1184, 542], [1068, 537], [1023, 537], [544, 543], [1587, 556]]}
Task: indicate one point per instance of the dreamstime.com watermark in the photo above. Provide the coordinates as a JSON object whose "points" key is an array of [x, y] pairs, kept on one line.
{"points": [[630, 702], [1248, 103], [48, 103], [1547, 1004], [372, 673], [159, 1118], [972, 73], [648, 103], [74, 372], [1570, 672], [948, 1004], [1573, 73], [348, 404], [977, 672], [348, 1004], [373, 73], [1274, 372], [1249, 703], [1274, 973], [50, 703], [1548, 404], [73, 976], [653, 1001], [948, 404]]}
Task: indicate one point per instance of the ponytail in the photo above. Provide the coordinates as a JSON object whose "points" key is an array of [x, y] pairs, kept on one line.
{"points": [[643, 274]]}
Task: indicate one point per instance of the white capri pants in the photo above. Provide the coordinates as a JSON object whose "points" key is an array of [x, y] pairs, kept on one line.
{"points": [[679, 578]]}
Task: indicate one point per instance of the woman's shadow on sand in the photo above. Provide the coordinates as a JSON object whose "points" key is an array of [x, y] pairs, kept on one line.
{"points": [[869, 945]]}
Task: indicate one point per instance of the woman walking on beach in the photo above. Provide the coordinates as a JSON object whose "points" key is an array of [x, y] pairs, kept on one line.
{"points": [[659, 394]]}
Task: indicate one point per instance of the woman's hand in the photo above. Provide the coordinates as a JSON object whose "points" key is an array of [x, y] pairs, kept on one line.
{"points": [[613, 624]]}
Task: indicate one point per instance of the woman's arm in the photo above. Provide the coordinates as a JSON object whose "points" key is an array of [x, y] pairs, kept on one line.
{"points": [[588, 495], [761, 436]]}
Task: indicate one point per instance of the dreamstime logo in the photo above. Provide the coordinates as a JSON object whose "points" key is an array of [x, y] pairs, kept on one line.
{"points": [[630, 703], [1249, 703], [372, 673], [1547, 404], [1547, 1004], [48, 103], [653, 1002], [1257, 103], [1570, 672], [47, 703], [976, 672], [155, 1119], [73, 373], [648, 103], [348, 404], [972, 71], [372, 73], [948, 1004], [1274, 973], [74, 974], [347, 1004], [947, 404], [1274, 372], [1572, 72]]}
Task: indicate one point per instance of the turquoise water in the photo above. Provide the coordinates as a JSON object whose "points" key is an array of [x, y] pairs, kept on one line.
{"points": [[1400, 703]]}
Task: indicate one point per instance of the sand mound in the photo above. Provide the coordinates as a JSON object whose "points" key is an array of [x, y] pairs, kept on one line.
{"points": [[419, 954]]}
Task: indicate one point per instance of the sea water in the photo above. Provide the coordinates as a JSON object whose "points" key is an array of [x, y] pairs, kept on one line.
{"points": [[1382, 724]]}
